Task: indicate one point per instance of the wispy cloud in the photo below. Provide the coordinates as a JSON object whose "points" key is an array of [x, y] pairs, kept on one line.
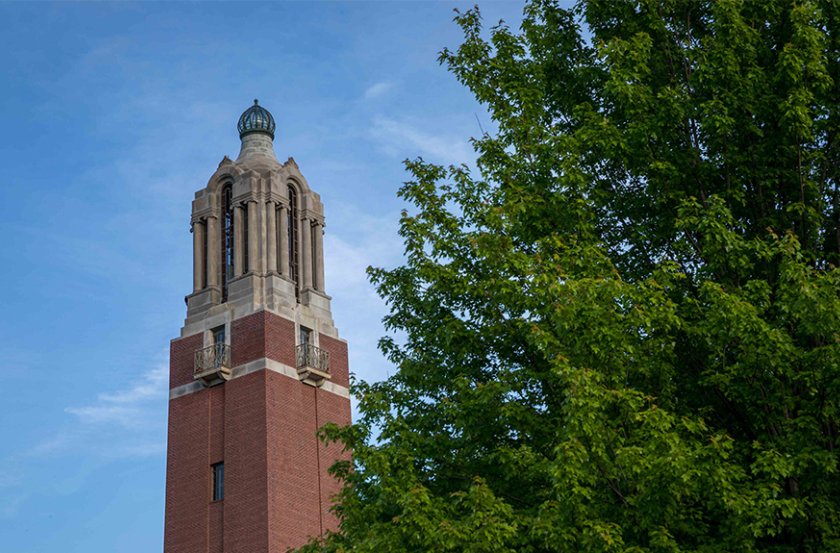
{"points": [[404, 139], [49, 446], [378, 89], [98, 434], [127, 408], [8, 480], [373, 241], [106, 414], [152, 385], [10, 505], [356, 305]]}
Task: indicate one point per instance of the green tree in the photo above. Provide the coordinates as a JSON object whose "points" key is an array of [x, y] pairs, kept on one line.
{"points": [[619, 332]]}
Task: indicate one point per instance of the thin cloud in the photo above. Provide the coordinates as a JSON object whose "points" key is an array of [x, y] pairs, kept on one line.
{"points": [[8, 480], [106, 414], [357, 307], [374, 241], [10, 505], [378, 89], [49, 446], [149, 449], [403, 139], [128, 408], [152, 385]]}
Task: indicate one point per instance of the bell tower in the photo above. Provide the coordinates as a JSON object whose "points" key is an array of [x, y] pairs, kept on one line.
{"points": [[258, 366]]}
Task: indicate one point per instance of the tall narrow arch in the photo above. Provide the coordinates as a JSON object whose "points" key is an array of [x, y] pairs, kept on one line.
{"points": [[292, 232], [227, 238]]}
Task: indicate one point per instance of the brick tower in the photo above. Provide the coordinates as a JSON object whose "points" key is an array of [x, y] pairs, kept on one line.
{"points": [[259, 365]]}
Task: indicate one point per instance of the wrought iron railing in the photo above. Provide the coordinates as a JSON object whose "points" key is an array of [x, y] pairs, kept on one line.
{"points": [[311, 357], [215, 357]]}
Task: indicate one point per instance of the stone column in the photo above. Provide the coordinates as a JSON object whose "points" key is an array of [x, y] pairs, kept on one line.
{"points": [[214, 241], [306, 253], [253, 237], [238, 239], [198, 256], [284, 241], [318, 232], [271, 237]]}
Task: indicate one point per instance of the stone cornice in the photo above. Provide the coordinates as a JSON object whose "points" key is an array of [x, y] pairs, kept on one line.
{"points": [[263, 363]]}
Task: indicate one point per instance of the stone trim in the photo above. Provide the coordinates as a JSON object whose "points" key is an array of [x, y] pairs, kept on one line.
{"points": [[254, 366], [185, 389]]}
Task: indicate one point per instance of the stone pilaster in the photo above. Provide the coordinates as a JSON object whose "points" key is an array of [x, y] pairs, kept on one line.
{"points": [[318, 247], [306, 253], [271, 237], [284, 241], [238, 242], [214, 240], [253, 237], [198, 256]]}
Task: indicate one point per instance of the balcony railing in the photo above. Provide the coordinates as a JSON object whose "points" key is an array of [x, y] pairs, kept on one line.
{"points": [[212, 364], [313, 364]]}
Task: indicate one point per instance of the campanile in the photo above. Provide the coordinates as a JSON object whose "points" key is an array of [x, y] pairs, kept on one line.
{"points": [[258, 366]]}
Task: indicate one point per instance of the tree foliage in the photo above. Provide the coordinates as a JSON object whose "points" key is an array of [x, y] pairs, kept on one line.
{"points": [[619, 332]]}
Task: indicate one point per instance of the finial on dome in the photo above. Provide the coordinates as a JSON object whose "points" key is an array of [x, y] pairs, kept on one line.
{"points": [[256, 119]]}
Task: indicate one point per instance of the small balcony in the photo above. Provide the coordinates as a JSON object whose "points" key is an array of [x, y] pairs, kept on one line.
{"points": [[313, 364], [212, 364]]}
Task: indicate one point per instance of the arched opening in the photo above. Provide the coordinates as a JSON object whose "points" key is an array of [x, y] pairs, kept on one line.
{"points": [[227, 238]]}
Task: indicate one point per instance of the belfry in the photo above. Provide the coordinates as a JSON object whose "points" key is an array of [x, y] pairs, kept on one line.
{"points": [[258, 366]]}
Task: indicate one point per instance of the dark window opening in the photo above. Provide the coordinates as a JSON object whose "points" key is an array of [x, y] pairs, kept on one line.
{"points": [[313, 253], [218, 481], [227, 239], [204, 253], [218, 345], [218, 335], [245, 259], [293, 238], [305, 336], [278, 240]]}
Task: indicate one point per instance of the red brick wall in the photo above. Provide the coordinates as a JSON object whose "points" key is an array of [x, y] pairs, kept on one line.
{"points": [[216, 455], [292, 462], [246, 471], [196, 441], [331, 408], [247, 338], [339, 370], [280, 339], [182, 359], [187, 475], [263, 426], [217, 424], [263, 334], [216, 530], [216, 439]]}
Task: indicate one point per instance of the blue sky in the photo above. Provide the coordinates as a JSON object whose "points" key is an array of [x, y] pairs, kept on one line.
{"points": [[113, 115]]}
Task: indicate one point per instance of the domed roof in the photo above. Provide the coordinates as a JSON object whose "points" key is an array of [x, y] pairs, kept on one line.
{"points": [[256, 119]]}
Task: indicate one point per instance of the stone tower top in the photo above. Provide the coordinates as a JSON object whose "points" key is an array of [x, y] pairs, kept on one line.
{"points": [[258, 238]]}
